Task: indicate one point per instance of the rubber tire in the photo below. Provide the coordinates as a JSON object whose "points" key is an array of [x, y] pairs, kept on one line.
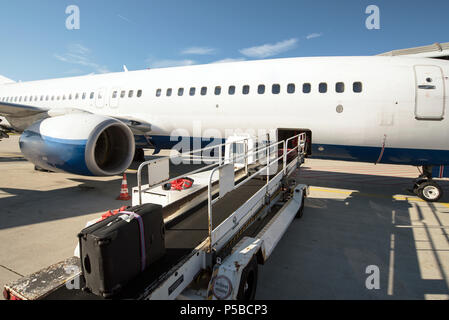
{"points": [[39, 169], [425, 184], [300, 212], [416, 186], [249, 274]]}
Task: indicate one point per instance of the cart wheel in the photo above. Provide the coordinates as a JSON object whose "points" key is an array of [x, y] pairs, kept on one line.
{"points": [[430, 191], [248, 281], [300, 212]]}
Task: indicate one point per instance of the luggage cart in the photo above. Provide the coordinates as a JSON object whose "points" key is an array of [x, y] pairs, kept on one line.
{"points": [[240, 211]]}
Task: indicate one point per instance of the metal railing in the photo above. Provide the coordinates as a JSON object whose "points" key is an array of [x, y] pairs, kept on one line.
{"points": [[300, 147], [191, 155]]}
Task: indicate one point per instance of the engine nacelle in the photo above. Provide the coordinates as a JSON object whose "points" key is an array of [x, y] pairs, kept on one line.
{"points": [[84, 144]]}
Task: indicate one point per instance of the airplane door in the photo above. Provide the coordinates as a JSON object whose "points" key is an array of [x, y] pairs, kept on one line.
{"points": [[429, 93], [100, 98], [114, 98]]}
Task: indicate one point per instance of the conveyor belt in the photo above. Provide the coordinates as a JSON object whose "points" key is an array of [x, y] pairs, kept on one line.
{"points": [[180, 240]]}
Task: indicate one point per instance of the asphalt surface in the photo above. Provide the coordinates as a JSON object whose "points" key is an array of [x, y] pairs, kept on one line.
{"points": [[358, 218]]}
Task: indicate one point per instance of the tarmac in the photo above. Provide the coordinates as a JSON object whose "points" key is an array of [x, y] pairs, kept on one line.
{"points": [[362, 236]]}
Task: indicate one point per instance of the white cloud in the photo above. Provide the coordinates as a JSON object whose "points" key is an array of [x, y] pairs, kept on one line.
{"points": [[169, 63], [125, 18], [227, 60], [314, 35], [79, 55], [199, 50], [269, 50]]}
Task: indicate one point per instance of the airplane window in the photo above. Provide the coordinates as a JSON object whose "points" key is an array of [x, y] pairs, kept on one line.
{"points": [[42, 98], [92, 95], [357, 87], [340, 87], [46, 98], [114, 95], [203, 91], [131, 93], [306, 88], [192, 92], [231, 90], [63, 97], [123, 94], [58, 98], [77, 96], [217, 90], [180, 92], [169, 92], [323, 87], [291, 88], [84, 95], [52, 98], [139, 93], [36, 98], [245, 89], [20, 99], [261, 89], [70, 96], [276, 89]]}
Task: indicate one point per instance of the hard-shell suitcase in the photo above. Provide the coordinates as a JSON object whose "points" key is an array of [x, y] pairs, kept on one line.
{"points": [[117, 249]]}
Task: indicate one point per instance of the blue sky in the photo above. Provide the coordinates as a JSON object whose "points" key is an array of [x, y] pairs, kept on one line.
{"points": [[35, 43]]}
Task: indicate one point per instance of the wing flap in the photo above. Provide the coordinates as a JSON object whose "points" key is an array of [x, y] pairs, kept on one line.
{"points": [[19, 110]]}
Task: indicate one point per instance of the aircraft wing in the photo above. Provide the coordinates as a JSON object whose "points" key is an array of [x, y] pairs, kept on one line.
{"points": [[14, 110], [19, 110]]}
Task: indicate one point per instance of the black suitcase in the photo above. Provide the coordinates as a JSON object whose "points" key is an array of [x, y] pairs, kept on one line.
{"points": [[116, 250]]}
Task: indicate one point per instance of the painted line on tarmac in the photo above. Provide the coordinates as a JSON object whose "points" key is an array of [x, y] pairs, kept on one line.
{"points": [[10, 270], [373, 195]]}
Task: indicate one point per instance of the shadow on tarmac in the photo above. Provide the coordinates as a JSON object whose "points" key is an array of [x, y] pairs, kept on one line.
{"points": [[325, 255]]}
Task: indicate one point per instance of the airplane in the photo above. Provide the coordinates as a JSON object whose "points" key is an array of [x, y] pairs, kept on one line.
{"points": [[377, 109]]}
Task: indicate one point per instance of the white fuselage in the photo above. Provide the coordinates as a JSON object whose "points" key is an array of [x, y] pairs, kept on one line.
{"points": [[385, 111]]}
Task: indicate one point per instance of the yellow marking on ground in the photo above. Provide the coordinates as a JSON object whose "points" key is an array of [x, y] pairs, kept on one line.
{"points": [[130, 171], [372, 195]]}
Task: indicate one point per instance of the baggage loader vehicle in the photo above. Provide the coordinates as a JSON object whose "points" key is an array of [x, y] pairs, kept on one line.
{"points": [[216, 231]]}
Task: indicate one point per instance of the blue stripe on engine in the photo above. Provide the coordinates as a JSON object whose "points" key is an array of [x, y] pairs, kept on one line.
{"points": [[65, 141], [55, 154]]}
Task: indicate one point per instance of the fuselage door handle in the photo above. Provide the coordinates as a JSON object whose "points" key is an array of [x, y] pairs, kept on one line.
{"points": [[427, 87]]}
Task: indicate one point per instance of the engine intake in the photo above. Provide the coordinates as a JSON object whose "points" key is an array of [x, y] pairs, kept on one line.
{"points": [[84, 144]]}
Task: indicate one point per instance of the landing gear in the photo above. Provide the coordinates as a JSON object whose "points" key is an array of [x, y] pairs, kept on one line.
{"points": [[139, 155], [426, 188]]}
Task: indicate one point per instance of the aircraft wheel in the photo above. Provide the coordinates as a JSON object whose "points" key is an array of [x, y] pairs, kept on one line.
{"points": [[37, 168], [139, 155], [430, 191], [248, 281]]}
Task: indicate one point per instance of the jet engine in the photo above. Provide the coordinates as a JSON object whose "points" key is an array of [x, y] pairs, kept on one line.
{"points": [[83, 144]]}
